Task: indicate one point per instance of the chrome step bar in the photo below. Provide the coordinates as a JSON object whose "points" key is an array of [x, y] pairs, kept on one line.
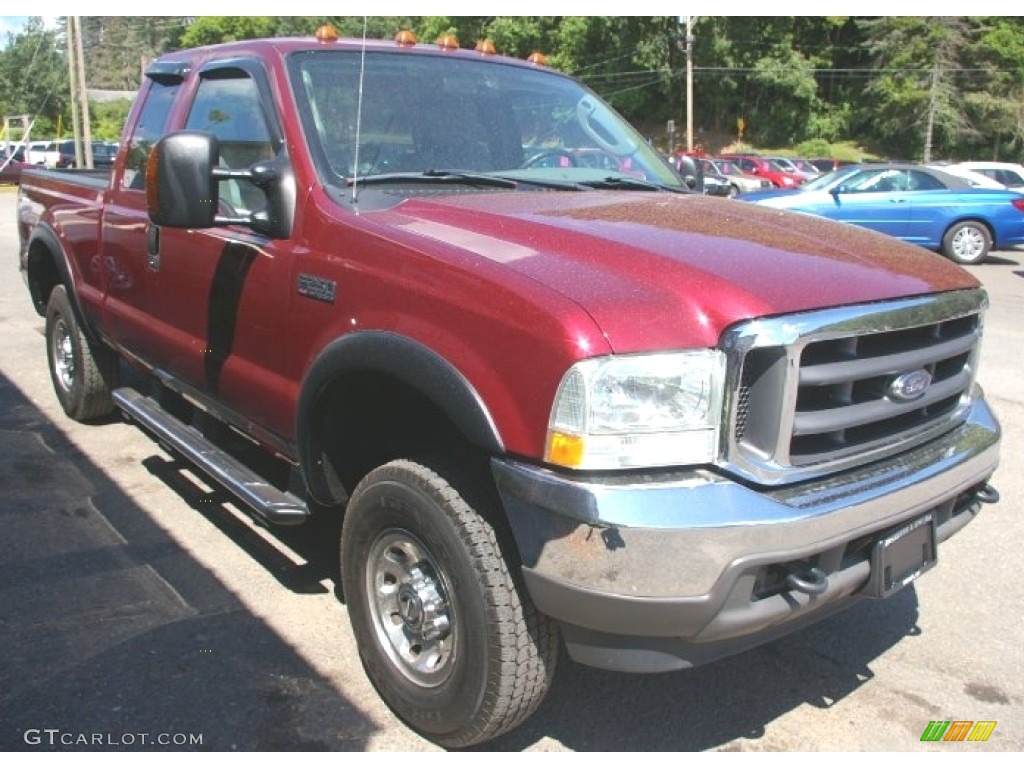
{"points": [[268, 503]]}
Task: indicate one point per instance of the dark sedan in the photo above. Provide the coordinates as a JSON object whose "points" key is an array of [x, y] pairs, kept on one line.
{"points": [[914, 203]]}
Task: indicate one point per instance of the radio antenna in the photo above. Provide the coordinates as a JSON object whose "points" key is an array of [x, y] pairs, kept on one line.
{"points": [[359, 118]]}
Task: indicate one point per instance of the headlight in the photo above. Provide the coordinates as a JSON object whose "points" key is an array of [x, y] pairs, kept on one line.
{"points": [[638, 411]]}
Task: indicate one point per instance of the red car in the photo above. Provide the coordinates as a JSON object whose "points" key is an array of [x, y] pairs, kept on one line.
{"points": [[10, 166], [766, 169]]}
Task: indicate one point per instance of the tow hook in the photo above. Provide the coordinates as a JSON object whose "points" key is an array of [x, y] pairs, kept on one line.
{"points": [[810, 581], [987, 494]]}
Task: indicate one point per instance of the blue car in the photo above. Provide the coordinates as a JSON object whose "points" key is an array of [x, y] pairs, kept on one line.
{"points": [[914, 203]]}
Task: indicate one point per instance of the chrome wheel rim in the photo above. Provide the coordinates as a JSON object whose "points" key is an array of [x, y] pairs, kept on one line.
{"points": [[63, 355], [968, 243], [409, 605]]}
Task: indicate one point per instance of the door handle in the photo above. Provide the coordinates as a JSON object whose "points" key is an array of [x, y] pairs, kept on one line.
{"points": [[153, 247]]}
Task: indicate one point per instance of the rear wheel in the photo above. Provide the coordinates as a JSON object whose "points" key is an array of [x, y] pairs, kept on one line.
{"points": [[967, 242], [82, 374], [447, 636]]}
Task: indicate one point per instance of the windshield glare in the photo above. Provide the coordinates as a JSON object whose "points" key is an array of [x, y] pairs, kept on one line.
{"points": [[425, 113]]}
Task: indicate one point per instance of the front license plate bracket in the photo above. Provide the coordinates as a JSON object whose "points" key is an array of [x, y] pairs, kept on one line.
{"points": [[900, 555]]}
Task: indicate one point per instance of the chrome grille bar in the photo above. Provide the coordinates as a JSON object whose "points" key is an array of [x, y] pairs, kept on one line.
{"points": [[811, 393]]}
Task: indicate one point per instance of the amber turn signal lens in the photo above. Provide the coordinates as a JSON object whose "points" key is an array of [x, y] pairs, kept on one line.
{"points": [[565, 450], [325, 33], [405, 38], [448, 42]]}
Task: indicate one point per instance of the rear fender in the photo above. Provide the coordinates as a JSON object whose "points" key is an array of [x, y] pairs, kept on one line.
{"points": [[46, 265]]}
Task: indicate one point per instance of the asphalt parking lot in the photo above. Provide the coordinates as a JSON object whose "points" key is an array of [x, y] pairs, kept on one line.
{"points": [[139, 610]]}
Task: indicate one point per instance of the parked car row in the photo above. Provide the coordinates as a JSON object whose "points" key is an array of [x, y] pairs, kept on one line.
{"points": [[51, 154], [916, 203], [738, 181], [988, 173], [55, 153]]}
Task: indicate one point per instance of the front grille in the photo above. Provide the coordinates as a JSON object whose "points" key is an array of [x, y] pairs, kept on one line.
{"points": [[830, 389]]}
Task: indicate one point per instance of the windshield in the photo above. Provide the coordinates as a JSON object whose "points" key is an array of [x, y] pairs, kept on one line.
{"points": [[729, 168], [428, 113], [829, 179]]}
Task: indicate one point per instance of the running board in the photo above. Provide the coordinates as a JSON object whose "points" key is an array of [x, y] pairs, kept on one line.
{"points": [[268, 503]]}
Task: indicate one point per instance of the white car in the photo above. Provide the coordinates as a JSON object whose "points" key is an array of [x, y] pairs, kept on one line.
{"points": [[1008, 174], [739, 182], [43, 153], [973, 178]]}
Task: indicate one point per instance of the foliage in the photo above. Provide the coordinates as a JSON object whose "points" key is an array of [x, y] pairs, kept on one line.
{"points": [[947, 87], [33, 77], [119, 47], [107, 118]]}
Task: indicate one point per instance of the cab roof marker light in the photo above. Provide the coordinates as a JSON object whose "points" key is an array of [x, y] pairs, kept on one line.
{"points": [[326, 33], [448, 43], [485, 47], [538, 58], [406, 38]]}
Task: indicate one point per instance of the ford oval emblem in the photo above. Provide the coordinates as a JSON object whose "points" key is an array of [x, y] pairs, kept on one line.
{"points": [[910, 386]]}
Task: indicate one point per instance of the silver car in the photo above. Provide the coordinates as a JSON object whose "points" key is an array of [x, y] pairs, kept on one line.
{"points": [[739, 182]]}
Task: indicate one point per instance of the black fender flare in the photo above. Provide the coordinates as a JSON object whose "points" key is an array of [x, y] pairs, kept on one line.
{"points": [[45, 234], [403, 359]]}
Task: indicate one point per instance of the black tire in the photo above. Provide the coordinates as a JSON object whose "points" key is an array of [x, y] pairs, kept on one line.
{"points": [[967, 242], [446, 635], [82, 374]]}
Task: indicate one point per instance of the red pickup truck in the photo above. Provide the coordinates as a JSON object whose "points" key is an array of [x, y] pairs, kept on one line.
{"points": [[554, 402]]}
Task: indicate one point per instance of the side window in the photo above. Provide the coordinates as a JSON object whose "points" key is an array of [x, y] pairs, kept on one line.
{"points": [[864, 181], [923, 181], [1008, 177], [229, 108], [150, 127]]}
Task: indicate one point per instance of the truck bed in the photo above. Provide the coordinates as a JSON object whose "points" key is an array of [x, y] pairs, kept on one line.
{"points": [[94, 178]]}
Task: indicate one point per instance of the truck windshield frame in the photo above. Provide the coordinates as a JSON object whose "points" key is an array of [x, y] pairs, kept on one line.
{"points": [[422, 113]]}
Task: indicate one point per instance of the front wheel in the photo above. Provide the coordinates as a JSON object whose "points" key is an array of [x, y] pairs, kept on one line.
{"points": [[967, 242], [448, 638], [82, 373]]}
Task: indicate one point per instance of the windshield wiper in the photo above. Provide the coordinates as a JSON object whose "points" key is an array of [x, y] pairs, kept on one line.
{"points": [[628, 182], [435, 176]]}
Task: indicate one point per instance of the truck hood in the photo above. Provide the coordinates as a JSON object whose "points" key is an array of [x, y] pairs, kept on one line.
{"points": [[661, 270]]}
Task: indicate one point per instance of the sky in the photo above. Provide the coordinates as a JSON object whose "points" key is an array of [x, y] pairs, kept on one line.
{"points": [[10, 24]]}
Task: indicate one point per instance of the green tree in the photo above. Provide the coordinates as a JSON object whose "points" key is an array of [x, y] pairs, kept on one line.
{"points": [[117, 48], [774, 73], [107, 118], [33, 77], [996, 103], [916, 101]]}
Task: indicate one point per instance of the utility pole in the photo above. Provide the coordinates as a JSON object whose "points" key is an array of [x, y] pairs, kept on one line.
{"points": [[83, 94], [76, 129], [689, 82]]}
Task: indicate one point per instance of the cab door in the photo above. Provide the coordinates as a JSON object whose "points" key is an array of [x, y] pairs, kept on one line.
{"points": [[212, 313], [875, 199]]}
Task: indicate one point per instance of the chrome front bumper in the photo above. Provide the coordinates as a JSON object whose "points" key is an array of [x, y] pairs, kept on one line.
{"points": [[676, 563]]}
